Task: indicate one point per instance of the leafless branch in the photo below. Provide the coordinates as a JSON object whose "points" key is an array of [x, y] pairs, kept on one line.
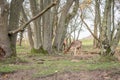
{"points": [[89, 28], [32, 19]]}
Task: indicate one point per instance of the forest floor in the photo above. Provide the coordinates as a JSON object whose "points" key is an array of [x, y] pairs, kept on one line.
{"points": [[85, 66], [59, 67]]}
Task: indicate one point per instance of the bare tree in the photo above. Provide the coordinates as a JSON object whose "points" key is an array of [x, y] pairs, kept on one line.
{"points": [[4, 38], [9, 25], [97, 23], [29, 31], [37, 26], [65, 17], [8, 42]]}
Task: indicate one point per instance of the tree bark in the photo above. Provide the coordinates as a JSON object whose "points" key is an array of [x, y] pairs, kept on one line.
{"points": [[4, 39], [32, 19], [21, 38], [106, 46], [15, 9], [47, 24], [37, 26], [97, 23], [29, 31], [63, 23], [116, 39]]}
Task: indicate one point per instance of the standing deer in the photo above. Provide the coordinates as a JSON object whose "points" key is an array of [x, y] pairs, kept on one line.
{"points": [[74, 47]]}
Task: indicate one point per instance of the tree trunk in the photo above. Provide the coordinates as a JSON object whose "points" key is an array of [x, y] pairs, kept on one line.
{"points": [[41, 21], [21, 38], [47, 24], [37, 26], [15, 9], [63, 23], [106, 47], [113, 21], [4, 39], [81, 24], [116, 39], [97, 23], [29, 32]]}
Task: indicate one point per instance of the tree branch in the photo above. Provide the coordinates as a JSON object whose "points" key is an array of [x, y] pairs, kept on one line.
{"points": [[32, 19], [89, 28]]}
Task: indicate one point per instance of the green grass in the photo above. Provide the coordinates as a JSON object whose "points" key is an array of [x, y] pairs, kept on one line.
{"points": [[103, 65], [23, 49], [87, 44], [8, 68], [51, 67], [14, 60], [52, 64], [13, 64]]}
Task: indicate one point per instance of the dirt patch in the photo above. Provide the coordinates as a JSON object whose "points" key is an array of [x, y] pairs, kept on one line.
{"points": [[84, 75], [20, 75], [112, 74]]}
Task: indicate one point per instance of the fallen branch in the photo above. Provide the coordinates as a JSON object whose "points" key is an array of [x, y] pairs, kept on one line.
{"points": [[32, 19]]}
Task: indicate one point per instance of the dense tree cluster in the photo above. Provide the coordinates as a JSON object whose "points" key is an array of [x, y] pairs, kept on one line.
{"points": [[47, 24]]}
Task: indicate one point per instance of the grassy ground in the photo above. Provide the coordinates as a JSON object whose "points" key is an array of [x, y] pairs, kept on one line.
{"points": [[87, 44], [44, 65]]}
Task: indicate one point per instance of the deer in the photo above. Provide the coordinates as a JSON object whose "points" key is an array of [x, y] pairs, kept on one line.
{"points": [[75, 47]]}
